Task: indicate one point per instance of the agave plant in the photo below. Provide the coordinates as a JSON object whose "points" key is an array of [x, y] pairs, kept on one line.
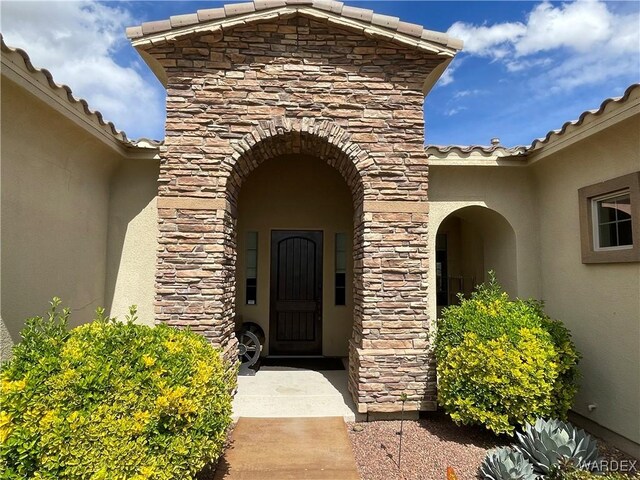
{"points": [[506, 464], [547, 443]]}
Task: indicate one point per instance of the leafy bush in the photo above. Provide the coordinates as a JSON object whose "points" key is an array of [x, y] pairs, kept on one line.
{"points": [[503, 362], [111, 400]]}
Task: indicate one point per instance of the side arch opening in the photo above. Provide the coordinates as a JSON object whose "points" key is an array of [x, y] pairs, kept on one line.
{"points": [[470, 242]]}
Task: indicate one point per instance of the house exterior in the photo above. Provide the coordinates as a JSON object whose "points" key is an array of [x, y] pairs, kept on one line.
{"points": [[293, 189]]}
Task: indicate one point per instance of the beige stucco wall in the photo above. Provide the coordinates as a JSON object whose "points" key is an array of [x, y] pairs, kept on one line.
{"points": [[133, 239], [497, 204], [54, 211], [600, 303], [297, 193]]}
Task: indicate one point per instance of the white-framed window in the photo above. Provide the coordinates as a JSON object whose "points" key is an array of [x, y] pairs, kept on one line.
{"points": [[610, 220], [612, 227]]}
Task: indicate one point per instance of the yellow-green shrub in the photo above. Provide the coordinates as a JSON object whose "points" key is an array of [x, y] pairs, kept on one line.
{"points": [[503, 362], [111, 400]]}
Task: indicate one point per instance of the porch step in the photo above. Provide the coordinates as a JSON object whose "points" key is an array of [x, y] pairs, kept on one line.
{"points": [[288, 449]]}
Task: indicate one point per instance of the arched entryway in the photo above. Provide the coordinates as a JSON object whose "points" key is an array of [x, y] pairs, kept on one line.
{"points": [[278, 191], [294, 272], [469, 242], [353, 99], [198, 265]]}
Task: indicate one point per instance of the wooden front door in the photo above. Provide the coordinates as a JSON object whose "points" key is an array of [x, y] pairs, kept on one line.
{"points": [[295, 320]]}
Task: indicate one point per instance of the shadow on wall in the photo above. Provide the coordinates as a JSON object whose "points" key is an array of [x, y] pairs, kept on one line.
{"points": [[470, 242], [132, 239]]}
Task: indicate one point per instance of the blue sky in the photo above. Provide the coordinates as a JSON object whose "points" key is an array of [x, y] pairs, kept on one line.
{"points": [[527, 67]]}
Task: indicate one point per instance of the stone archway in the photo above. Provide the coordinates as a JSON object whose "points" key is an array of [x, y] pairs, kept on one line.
{"points": [[388, 349], [323, 140], [228, 74]]}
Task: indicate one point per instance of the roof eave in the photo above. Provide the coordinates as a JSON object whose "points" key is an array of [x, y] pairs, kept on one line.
{"points": [[611, 112], [476, 155], [160, 33], [156, 67], [17, 67], [425, 42]]}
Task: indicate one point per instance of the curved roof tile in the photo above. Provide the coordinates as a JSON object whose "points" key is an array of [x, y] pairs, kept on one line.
{"points": [[44, 76], [497, 150], [362, 15], [539, 142]]}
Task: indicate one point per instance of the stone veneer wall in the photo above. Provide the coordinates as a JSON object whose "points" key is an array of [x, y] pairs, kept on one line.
{"points": [[242, 96]]}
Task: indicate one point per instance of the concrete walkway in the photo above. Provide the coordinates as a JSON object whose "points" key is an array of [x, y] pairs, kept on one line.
{"points": [[284, 392], [289, 449]]}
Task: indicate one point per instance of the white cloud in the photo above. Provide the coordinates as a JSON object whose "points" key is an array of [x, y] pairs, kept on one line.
{"points": [[487, 40], [594, 43], [77, 41], [578, 25], [468, 93], [454, 111], [447, 77], [520, 64]]}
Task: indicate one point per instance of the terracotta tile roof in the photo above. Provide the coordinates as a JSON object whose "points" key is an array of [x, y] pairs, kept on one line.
{"points": [[499, 151], [483, 150], [239, 13], [605, 106], [42, 76]]}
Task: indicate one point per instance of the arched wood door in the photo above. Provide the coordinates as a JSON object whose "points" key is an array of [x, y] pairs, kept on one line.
{"points": [[295, 323]]}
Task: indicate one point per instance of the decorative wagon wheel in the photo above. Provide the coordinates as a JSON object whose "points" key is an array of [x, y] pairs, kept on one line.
{"points": [[248, 348], [255, 329]]}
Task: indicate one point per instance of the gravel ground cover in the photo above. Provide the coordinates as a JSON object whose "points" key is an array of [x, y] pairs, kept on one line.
{"points": [[429, 446]]}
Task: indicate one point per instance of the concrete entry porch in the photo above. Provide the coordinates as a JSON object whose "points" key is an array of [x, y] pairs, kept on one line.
{"points": [[285, 392]]}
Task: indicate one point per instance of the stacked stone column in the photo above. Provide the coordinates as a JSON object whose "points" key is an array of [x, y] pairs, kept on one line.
{"points": [[295, 85]]}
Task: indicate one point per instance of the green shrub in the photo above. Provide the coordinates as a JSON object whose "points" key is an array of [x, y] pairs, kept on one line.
{"points": [[502, 362], [111, 400]]}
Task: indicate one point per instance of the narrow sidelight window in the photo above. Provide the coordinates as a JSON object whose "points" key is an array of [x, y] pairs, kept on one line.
{"points": [[341, 269], [251, 286]]}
